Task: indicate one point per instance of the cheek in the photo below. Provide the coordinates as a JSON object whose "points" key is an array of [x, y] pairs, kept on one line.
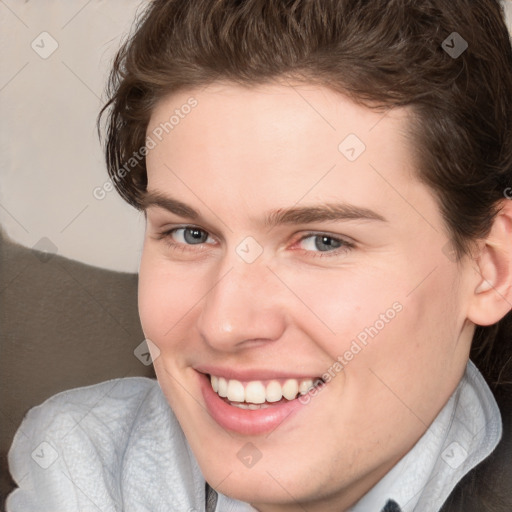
{"points": [[338, 307], [416, 360], [381, 320], [163, 297], [150, 298]]}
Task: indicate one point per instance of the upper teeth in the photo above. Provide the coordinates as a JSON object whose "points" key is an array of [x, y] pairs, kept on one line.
{"points": [[256, 392]]}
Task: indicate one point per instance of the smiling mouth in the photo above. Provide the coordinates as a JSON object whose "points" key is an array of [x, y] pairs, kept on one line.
{"points": [[259, 394]]}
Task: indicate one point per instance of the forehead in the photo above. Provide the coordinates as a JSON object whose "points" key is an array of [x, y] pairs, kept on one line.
{"points": [[273, 114], [281, 144]]}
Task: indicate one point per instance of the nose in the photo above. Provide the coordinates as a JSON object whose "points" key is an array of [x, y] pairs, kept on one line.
{"points": [[243, 308]]}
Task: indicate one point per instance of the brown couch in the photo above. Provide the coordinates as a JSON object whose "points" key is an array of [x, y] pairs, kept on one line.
{"points": [[63, 324]]}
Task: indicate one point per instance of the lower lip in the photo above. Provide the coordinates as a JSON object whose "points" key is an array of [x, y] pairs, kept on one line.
{"points": [[246, 421]]}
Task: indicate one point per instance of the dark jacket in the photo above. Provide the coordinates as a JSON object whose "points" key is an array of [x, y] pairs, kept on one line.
{"points": [[488, 487]]}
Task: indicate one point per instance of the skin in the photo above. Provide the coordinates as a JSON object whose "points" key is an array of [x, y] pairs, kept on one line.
{"points": [[239, 154]]}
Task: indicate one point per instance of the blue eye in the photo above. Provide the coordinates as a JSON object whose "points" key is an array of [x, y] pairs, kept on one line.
{"points": [[322, 243], [189, 235]]}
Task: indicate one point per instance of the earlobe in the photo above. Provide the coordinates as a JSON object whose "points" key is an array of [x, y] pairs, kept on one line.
{"points": [[492, 296]]}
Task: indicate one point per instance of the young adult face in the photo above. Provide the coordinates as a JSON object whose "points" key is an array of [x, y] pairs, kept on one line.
{"points": [[249, 289]]}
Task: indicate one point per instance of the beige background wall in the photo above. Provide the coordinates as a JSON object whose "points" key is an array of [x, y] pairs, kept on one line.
{"points": [[50, 157]]}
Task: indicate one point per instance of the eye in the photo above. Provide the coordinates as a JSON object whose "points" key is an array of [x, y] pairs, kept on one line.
{"points": [[188, 235], [324, 243]]}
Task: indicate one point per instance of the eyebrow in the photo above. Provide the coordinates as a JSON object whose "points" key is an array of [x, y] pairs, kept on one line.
{"points": [[294, 215]]}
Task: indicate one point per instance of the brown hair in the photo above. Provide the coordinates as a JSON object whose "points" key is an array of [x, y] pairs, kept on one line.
{"points": [[381, 53]]}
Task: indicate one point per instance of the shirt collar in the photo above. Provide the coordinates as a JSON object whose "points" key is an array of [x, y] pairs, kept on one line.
{"points": [[465, 432]]}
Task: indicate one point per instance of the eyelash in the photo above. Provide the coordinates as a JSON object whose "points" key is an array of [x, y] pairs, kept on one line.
{"points": [[345, 246]]}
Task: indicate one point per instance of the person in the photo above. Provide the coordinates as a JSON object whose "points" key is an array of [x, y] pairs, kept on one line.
{"points": [[326, 280]]}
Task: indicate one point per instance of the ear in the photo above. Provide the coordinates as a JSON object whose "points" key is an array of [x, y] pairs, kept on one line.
{"points": [[492, 296]]}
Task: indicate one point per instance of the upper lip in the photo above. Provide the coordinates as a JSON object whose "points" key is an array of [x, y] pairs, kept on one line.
{"points": [[253, 374]]}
